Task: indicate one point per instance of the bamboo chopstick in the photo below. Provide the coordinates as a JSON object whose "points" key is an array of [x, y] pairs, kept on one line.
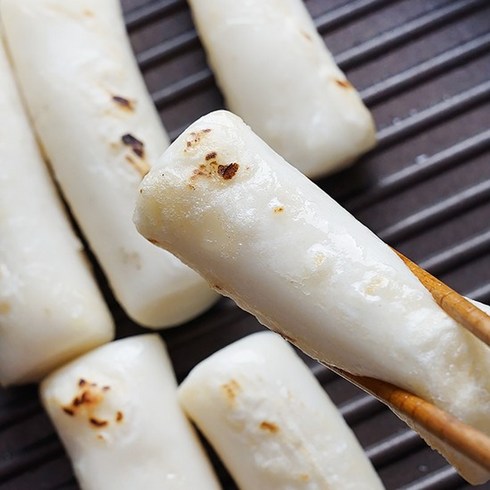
{"points": [[463, 438], [455, 305]]}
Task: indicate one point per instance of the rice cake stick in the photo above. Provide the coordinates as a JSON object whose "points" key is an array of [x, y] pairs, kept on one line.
{"points": [[50, 306], [268, 237], [271, 422], [101, 133], [276, 73], [117, 413]]}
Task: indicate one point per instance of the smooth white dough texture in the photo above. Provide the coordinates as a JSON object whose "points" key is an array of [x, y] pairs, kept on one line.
{"points": [[117, 413], [101, 133], [50, 307], [277, 74], [271, 422], [266, 236]]}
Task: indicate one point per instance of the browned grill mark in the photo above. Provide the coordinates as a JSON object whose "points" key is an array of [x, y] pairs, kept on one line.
{"points": [[343, 83], [119, 416], [84, 399], [211, 156], [278, 209], [97, 423], [231, 390], [228, 171], [68, 411], [124, 103], [77, 402], [134, 143], [194, 137], [202, 170], [269, 427], [90, 395]]}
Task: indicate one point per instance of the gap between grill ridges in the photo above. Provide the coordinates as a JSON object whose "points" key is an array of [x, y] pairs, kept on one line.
{"points": [[437, 480], [347, 12], [322, 372], [19, 414], [221, 317], [457, 255], [403, 33], [443, 110], [182, 88], [419, 170], [164, 50], [71, 484], [360, 408], [481, 293], [45, 449], [436, 213], [414, 75], [151, 12], [395, 446], [17, 394]]}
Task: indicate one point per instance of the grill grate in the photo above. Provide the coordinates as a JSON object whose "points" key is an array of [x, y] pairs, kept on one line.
{"points": [[423, 67]]}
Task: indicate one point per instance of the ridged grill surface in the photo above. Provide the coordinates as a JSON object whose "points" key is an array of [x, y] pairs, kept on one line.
{"points": [[423, 68]]}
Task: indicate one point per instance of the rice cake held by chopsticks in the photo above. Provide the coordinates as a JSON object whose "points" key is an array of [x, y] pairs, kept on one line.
{"points": [[117, 413], [265, 235], [50, 307], [101, 132], [276, 73], [271, 422]]}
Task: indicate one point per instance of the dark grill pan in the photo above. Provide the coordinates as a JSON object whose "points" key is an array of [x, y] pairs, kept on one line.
{"points": [[423, 68]]}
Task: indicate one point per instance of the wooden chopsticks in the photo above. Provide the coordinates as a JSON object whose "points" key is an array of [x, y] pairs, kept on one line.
{"points": [[463, 438], [422, 414], [455, 305]]}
